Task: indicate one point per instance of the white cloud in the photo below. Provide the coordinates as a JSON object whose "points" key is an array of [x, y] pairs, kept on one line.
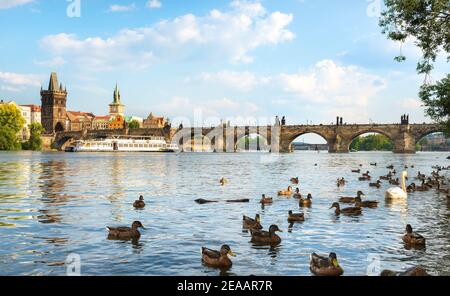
{"points": [[153, 4], [219, 108], [243, 81], [232, 35], [330, 83], [17, 82], [6, 4], [122, 8], [54, 62], [410, 103]]}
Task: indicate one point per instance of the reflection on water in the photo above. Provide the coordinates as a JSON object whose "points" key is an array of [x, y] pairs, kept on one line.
{"points": [[54, 204]]}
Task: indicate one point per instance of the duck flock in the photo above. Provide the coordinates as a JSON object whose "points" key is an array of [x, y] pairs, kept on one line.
{"points": [[321, 265]]}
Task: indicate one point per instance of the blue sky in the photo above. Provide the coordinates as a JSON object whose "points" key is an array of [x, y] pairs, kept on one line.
{"points": [[307, 60]]}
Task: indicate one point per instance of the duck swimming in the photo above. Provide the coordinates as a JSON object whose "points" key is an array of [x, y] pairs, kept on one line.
{"points": [[294, 180], [297, 217], [413, 238], [377, 184], [323, 266], [340, 182], [411, 188], [265, 200], [249, 223], [223, 181], [305, 202], [350, 211], [366, 203], [346, 199], [125, 233], [356, 171], [413, 271], [297, 193], [287, 192], [218, 259], [365, 177], [139, 204], [266, 237], [394, 181]]}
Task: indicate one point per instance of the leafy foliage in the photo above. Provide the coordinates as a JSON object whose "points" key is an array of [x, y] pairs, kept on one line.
{"points": [[134, 124], [428, 23], [372, 143], [34, 142], [11, 123]]}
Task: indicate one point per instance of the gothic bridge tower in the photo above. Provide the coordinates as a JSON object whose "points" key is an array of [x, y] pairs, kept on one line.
{"points": [[53, 104]]}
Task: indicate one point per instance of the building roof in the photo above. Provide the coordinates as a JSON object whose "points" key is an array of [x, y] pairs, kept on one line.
{"points": [[102, 118], [53, 83], [34, 108], [77, 115]]}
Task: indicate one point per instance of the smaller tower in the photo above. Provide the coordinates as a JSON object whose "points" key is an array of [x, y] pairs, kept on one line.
{"points": [[116, 107]]}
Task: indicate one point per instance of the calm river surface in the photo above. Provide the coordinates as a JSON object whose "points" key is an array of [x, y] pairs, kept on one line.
{"points": [[54, 204]]}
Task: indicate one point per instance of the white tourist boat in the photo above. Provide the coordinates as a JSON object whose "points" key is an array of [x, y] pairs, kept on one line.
{"points": [[124, 144]]}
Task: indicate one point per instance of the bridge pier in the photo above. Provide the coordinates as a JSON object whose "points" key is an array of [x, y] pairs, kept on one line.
{"points": [[405, 143]]}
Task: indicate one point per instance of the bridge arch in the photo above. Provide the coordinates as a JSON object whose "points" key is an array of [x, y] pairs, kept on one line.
{"points": [[199, 143], [430, 131], [60, 143], [386, 146], [59, 127], [371, 131], [316, 134], [260, 144]]}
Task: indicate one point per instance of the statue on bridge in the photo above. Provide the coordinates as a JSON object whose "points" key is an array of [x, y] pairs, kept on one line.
{"points": [[283, 120]]}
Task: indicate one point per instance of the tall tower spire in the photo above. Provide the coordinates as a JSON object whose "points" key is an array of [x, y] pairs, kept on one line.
{"points": [[53, 83], [116, 107]]}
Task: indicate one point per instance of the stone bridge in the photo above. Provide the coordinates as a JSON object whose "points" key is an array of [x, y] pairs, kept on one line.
{"points": [[278, 137]]}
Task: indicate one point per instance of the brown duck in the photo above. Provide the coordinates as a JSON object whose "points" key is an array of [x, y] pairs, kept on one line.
{"points": [[351, 211], [323, 266], [297, 193], [250, 223], [295, 217], [377, 184], [413, 238], [366, 203], [265, 200], [139, 204], [125, 233], [413, 271], [266, 237], [287, 192], [347, 199], [294, 180], [217, 259], [305, 202]]}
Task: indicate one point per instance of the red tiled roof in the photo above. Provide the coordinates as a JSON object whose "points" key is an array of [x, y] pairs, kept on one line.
{"points": [[79, 113], [34, 108]]}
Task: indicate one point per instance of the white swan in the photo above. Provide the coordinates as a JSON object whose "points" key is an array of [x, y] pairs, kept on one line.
{"points": [[397, 192]]}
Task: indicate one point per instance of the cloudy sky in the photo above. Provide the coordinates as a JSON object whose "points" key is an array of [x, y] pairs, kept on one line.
{"points": [[308, 60]]}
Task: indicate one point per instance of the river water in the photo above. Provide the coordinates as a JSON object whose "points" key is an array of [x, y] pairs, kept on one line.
{"points": [[55, 204]]}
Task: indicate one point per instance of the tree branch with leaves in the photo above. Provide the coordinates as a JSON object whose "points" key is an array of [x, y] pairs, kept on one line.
{"points": [[428, 23]]}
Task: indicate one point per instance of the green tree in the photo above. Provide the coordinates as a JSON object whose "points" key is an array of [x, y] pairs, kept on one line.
{"points": [[427, 22], [134, 124], [372, 143], [34, 142], [11, 123]]}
